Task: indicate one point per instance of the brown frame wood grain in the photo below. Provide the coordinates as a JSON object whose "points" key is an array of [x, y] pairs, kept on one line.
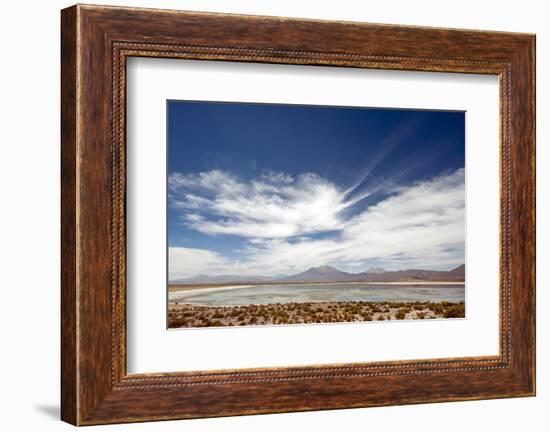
{"points": [[95, 43]]}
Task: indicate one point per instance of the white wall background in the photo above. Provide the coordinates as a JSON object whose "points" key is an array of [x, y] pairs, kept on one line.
{"points": [[29, 214]]}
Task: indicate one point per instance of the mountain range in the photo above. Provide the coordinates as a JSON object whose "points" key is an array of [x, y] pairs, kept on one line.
{"points": [[328, 273]]}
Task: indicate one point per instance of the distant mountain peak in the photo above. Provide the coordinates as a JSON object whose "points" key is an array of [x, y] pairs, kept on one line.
{"points": [[319, 273], [376, 270], [324, 268], [460, 269]]}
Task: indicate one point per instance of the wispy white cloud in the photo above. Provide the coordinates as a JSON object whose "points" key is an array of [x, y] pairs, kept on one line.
{"points": [[278, 216], [396, 137], [274, 205], [186, 262]]}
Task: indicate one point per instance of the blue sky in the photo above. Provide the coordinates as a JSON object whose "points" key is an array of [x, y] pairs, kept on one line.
{"points": [[272, 189]]}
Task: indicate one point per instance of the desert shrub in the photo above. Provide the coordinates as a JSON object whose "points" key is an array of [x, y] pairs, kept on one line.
{"points": [[456, 310], [420, 315], [401, 313], [436, 307], [216, 323], [381, 317]]}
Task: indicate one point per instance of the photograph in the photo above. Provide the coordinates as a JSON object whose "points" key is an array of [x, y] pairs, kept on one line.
{"points": [[299, 214]]}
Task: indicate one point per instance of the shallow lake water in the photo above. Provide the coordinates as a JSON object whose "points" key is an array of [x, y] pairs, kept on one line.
{"points": [[317, 292]]}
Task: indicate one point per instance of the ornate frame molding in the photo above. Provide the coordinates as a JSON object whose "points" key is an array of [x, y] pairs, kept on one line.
{"points": [[96, 41]]}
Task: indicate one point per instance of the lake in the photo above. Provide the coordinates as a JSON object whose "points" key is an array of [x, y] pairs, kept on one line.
{"points": [[318, 292]]}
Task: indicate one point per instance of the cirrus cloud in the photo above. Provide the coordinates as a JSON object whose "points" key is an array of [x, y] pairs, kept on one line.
{"points": [[275, 205]]}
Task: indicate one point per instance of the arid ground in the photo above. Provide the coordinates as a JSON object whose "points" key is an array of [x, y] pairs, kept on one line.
{"points": [[193, 316]]}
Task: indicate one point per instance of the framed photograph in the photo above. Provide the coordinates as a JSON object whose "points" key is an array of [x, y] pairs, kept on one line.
{"points": [[313, 214], [266, 215]]}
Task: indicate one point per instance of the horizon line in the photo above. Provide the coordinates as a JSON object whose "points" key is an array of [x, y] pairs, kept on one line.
{"points": [[317, 267]]}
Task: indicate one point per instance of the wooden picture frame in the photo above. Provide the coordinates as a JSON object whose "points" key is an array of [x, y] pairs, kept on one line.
{"points": [[95, 43]]}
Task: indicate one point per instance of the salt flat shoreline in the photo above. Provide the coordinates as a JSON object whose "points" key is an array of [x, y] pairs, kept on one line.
{"points": [[220, 287]]}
